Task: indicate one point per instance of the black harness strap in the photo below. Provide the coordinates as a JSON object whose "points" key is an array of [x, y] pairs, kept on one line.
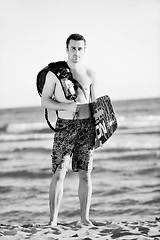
{"points": [[57, 129], [62, 71]]}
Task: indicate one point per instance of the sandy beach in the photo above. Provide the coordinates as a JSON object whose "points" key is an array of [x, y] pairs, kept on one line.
{"points": [[74, 230]]}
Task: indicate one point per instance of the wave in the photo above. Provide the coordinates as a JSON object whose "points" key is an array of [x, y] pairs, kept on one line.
{"points": [[149, 171], [25, 137], [138, 121], [132, 149], [4, 158], [98, 169], [140, 156], [25, 150], [124, 122], [43, 173], [47, 133], [5, 189], [123, 152], [30, 149], [40, 127], [140, 130]]}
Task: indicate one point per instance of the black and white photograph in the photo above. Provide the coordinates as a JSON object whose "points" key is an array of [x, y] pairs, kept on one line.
{"points": [[80, 119]]}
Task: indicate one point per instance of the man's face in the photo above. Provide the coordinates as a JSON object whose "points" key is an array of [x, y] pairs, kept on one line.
{"points": [[75, 50]]}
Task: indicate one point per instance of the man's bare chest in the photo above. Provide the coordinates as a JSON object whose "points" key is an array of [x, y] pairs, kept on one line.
{"points": [[83, 78]]}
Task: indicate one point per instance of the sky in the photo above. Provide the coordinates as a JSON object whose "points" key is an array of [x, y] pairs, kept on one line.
{"points": [[123, 45]]}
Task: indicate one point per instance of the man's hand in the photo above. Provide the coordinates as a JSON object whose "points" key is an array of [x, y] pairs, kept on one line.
{"points": [[73, 107]]}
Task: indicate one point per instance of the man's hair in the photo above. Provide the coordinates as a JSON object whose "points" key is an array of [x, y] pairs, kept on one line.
{"points": [[76, 37]]}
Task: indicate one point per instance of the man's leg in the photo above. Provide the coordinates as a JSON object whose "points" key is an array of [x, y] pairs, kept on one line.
{"points": [[55, 194], [84, 193]]}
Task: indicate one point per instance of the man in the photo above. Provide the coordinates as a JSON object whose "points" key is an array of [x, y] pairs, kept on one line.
{"points": [[77, 140]]}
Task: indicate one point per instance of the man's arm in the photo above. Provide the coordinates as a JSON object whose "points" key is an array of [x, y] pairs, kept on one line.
{"points": [[48, 91]]}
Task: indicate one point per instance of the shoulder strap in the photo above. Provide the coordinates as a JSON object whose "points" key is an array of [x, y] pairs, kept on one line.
{"points": [[90, 95], [55, 68], [79, 86], [50, 125], [58, 69]]}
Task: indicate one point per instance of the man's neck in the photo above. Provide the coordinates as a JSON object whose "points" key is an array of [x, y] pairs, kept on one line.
{"points": [[73, 65]]}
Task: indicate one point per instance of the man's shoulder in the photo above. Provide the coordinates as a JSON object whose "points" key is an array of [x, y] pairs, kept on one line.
{"points": [[51, 78], [91, 73], [51, 75]]}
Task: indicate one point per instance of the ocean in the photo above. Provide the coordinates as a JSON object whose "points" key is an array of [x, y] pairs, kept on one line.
{"points": [[126, 173]]}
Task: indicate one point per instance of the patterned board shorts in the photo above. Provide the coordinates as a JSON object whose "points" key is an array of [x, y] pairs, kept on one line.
{"points": [[75, 142]]}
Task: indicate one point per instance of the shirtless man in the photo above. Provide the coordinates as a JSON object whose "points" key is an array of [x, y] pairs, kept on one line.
{"points": [[77, 140]]}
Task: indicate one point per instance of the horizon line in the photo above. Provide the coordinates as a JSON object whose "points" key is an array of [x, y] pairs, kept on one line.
{"points": [[115, 100]]}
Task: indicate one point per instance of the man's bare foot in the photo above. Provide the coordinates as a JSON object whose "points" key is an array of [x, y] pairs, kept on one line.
{"points": [[87, 223], [53, 224]]}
